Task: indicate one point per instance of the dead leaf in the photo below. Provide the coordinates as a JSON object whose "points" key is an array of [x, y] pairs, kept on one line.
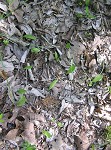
{"points": [[13, 4], [19, 15], [11, 135], [6, 66], [3, 74], [3, 6], [29, 133], [35, 92]]}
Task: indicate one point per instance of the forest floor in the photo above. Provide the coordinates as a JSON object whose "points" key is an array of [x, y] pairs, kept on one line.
{"points": [[55, 75]]}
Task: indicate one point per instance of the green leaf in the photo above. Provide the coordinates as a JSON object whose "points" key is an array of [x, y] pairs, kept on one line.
{"points": [[27, 146], [87, 2], [93, 147], [29, 36], [90, 83], [53, 119], [1, 116], [1, 121], [56, 56], [21, 91], [52, 84], [46, 133], [60, 124], [35, 50], [71, 69], [28, 67], [68, 45], [6, 42], [109, 89], [97, 78], [21, 101]]}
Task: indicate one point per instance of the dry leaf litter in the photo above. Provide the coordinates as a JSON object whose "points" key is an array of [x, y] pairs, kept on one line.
{"points": [[83, 110]]}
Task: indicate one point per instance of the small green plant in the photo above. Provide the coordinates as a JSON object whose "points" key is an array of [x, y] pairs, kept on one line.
{"points": [[35, 50], [1, 118], [28, 67], [6, 42], [109, 89], [29, 37], [56, 56], [93, 147], [22, 98], [87, 11], [71, 69], [96, 79], [53, 83], [59, 124], [107, 135], [46, 133], [27, 146], [79, 15], [68, 45]]}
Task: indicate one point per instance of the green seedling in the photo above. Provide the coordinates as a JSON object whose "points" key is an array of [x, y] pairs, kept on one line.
{"points": [[87, 2], [71, 69], [46, 133], [35, 50], [93, 147], [56, 56], [28, 67], [53, 119], [1, 118], [68, 45], [27, 146], [109, 89], [96, 79], [21, 91], [22, 99], [10, 1], [6, 42], [53, 83], [108, 134], [29, 37], [79, 15], [87, 11], [59, 124]]}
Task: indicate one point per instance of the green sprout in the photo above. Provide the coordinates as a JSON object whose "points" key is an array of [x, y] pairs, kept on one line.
{"points": [[1, 118], [6, 42], [35, 50], [68, 45], [96, 79], [53, 83], [22, 100], [59, 124], [29, 37], [46, 133], [27, 146], [109, 89], [56, 56], [28, 67], [71, 69]]}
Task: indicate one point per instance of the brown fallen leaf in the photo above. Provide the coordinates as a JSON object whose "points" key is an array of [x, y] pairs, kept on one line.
{"points": [[82, 141], [11, 135], [3, 74], [29, 133]]}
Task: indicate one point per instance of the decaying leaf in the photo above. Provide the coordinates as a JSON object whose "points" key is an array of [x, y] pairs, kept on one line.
{"points": [[11, 135], [6, 66], [29, 133]]}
